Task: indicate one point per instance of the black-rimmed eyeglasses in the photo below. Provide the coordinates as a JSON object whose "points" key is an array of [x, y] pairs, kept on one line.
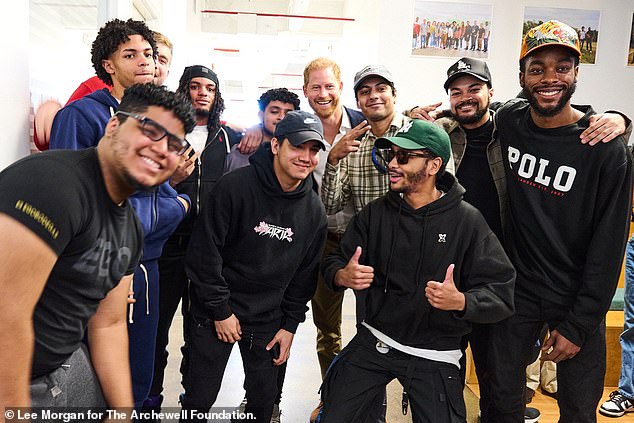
{"points": [[157, 132], [402, 156]]}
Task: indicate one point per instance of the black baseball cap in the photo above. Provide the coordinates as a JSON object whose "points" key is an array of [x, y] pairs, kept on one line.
{"points": [[299, 127], [468, 66]]}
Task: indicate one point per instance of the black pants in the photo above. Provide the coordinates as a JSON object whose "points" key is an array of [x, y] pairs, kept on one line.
{"points": [[173, 287], [579, 380], [479, 340], [208, 358], [360, 373]]}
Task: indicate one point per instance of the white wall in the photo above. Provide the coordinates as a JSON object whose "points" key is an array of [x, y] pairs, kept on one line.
{"points": [[14, 79], [381, 33], [608, 84]]}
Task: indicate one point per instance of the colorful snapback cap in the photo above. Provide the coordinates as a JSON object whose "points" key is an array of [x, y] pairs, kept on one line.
{"points": [[549, 34]]}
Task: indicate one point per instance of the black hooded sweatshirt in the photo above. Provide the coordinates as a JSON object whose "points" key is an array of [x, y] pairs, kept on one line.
{"points": [[408, 248], [255, 250]]}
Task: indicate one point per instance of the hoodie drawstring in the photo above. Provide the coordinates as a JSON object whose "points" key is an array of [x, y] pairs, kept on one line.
{"points": [[147, 295]]}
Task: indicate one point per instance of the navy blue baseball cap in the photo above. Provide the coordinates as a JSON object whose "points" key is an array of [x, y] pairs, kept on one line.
{"points": [[299, 127]]}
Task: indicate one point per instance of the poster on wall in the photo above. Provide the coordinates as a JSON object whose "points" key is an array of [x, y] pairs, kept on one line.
{"points": [[585, 22], [630, 54], [451, 29]]}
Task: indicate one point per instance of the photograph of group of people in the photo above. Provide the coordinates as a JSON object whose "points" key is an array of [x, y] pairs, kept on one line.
{"points": [[451, 29]]}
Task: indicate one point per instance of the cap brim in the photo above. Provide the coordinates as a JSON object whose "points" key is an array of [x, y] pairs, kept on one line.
{"points": [[463, 73], [568, 46], [299, 138], [400, 142], [371, 75]]}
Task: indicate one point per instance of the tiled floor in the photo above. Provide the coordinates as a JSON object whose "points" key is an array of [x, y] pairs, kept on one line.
{"points": [[303, 377]]}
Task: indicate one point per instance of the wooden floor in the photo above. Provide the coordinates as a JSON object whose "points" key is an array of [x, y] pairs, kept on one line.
{"points": [[550, 412]]}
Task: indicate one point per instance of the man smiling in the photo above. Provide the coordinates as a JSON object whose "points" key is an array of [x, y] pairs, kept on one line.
{"points": [[566, 226], [430, 266], [122, 55], [69, 243], [253, 261]]}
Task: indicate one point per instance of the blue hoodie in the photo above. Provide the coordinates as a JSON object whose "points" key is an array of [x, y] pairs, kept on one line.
{"points": [[81, 124]]}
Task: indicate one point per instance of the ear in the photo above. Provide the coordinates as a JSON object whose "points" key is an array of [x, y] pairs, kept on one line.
{"points": [[275, 146], [108, 66], [576, 73], [112, 126], [305, 91], [490, 93], [261, 116], [522, 79], [434, 165]]}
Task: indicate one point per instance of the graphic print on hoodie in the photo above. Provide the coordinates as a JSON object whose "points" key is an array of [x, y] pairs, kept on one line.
{"points": [[255, 250]]}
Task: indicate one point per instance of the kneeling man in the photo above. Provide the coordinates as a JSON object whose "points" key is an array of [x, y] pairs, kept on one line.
{"points": [[431, 267]]}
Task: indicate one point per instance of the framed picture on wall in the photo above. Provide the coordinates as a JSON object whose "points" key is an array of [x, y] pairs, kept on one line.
{"points": [[630, 52], [585, 22], [451, 29]]}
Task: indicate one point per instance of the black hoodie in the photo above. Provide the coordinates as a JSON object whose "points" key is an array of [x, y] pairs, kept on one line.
{"points": [[408, 248], [255, 250]]}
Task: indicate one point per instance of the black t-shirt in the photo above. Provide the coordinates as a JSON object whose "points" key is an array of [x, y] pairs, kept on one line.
{"points": [[61, 197], [475, 176]]}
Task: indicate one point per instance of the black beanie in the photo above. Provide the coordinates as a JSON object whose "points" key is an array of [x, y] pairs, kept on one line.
{"points": [[197, 71]]}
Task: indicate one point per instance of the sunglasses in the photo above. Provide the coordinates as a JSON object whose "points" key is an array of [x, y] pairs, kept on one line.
{"points": [[157, 132], [402, 156]]}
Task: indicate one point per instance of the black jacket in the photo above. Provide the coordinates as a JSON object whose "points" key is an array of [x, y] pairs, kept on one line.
{"points": [[408, 248], [207, 171], [255, 250]]}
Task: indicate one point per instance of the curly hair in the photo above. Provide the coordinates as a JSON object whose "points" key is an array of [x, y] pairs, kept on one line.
{"points": [[278, 94], [138, 97], [213, 120], [111, 36]]}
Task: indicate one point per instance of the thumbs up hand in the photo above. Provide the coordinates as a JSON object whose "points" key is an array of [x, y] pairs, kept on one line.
{"points": [[355, 276], [444, 295]]}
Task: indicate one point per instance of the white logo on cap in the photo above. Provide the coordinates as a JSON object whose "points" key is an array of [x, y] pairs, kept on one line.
{"points": [[309, 120], [463, 66], [407, 126]]}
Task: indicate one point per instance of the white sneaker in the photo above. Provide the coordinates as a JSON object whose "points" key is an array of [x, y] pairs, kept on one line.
{"points": [[617, 405]]}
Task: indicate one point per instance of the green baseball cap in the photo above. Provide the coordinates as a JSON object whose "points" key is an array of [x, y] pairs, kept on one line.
{"points": [[419, 135]]}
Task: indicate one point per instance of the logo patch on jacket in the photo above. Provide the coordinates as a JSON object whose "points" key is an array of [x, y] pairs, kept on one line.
{"points": [[442, 237], [283, 234]]}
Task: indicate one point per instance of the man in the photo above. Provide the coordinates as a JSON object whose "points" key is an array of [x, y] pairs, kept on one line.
{"points": [[565, 227], [470, 129], [395, 249], [164, 51], [351, 175], [582, 36], [322, 88], [122, 55], [211, 143], [589, 38], [253, 269], [159, 210], [68, 257], [274, 104]]}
